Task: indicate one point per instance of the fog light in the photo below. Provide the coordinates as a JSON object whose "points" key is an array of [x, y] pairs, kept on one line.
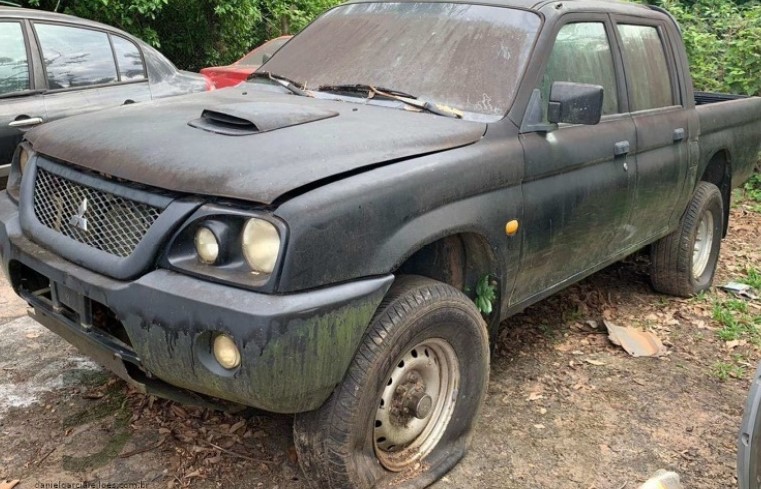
{"points": [[207, 246], [225, 351]]}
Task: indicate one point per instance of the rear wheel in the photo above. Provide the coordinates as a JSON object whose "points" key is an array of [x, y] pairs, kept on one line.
{"points": [[684, 262], [405, 412]]}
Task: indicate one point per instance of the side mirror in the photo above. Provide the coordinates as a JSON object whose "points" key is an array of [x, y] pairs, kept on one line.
{"points": [[575, 103]]}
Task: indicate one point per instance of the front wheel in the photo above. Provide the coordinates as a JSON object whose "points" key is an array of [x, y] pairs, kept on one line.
{"points": [[684, 262], [405, 412]]}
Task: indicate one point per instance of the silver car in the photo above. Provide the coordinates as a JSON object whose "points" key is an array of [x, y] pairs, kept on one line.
{"points": [[54, 65]]}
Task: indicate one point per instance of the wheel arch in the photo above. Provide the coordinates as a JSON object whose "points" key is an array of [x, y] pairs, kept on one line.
{"points": [[718, 171], [459, 259]]}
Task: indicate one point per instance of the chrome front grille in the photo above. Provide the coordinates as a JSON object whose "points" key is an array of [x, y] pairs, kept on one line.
{"points": [[99, 219]]}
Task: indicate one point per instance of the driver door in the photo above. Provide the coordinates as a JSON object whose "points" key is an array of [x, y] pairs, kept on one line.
{"points": [[578, 178]]}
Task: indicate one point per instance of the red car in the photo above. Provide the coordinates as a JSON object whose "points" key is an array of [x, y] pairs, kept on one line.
{"points": [[231, 75]]}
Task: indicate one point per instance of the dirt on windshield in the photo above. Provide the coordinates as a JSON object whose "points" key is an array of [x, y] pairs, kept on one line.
{"points": [[565, 409]]}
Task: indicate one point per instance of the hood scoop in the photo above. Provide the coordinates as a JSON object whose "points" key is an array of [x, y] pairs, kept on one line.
{"points": [[255, 117]]}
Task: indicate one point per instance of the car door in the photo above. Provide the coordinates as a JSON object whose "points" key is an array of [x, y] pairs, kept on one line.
{"points": [[577, 182], [88, 69], [749, 443], [21, 105], [662, 123]]}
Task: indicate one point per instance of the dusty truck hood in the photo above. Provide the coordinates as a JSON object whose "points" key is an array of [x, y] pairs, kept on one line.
{"points": [[153, 143]]}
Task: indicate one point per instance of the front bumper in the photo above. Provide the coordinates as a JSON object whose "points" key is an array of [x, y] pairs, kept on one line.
{"points": [[295, 348]]}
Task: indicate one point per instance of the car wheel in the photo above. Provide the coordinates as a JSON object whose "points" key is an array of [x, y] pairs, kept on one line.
{"points": [[405, 412], [684, 262]]}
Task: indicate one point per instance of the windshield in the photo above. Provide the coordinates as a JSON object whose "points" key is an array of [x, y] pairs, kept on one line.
{"points": [[256, 57], [468, 57]]}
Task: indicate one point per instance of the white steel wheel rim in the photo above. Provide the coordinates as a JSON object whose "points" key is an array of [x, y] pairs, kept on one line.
{"points": [[701, 252], [416, 404]]}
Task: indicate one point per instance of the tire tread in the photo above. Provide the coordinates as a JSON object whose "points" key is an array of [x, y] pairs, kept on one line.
{"points": [[322, 436]]}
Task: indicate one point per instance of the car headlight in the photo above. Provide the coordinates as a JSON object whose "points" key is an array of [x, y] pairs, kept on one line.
{"points": [[240, 248], [261, 245], [207, 246]]}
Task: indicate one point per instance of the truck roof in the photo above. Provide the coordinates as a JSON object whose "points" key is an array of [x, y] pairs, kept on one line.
{"points": [[548, 7]]}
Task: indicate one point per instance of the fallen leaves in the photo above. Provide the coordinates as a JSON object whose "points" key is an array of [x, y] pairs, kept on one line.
{"points": [[9, 484], [731, 345], [596, 363], [534, 396], [199, 443]]}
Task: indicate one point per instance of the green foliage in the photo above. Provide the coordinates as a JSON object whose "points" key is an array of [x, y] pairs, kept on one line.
{"points": [[752, 278], [721, 38], [749, 195], [486, 294], [724, 370], [737, 321], [753, 187], [197, 33]]}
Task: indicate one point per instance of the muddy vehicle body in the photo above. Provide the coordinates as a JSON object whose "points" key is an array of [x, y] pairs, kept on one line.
{"points": [[340, 236]]}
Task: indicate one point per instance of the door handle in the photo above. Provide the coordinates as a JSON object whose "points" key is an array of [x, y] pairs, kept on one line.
{"points": [[679, 134], [27, 122], [621, 148]]}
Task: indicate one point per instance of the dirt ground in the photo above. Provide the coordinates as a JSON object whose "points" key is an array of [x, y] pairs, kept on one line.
{"points": [[566, 408]]}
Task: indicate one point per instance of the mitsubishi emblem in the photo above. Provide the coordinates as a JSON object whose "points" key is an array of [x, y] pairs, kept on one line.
{"points": [[79, 220]]}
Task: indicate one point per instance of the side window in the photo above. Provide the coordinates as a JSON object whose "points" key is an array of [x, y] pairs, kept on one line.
{"points": [[128, 58], [76, 57], [646, 67], [14, 65], [582, 54]]}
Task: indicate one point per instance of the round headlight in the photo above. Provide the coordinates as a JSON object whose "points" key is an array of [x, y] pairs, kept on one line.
{"points": [[226, 352], [207, 246], [23, 159], [261, 245]]}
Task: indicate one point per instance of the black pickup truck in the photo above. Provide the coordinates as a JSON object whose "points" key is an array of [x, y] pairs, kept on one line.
{"points": [[341, 236]]}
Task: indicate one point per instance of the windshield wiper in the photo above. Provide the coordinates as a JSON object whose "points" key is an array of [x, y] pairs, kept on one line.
{"points": [[370, 90], [282, 81], [389, 93]]}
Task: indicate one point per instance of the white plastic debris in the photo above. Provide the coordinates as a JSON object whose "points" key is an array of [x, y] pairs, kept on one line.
{"points": [[740, 290], [663, 480]]}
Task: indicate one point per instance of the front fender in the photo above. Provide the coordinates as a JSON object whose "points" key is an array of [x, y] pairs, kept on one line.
{"points": [[370, 223]]}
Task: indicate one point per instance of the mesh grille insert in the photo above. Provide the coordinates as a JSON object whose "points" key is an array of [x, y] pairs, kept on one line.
{"points": [[96, 218]]}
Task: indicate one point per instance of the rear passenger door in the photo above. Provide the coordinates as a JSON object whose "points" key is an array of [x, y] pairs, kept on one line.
{"points": [[89, 69], [21, 104], [663, 126]]}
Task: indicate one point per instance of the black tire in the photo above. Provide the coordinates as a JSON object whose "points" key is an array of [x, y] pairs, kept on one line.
{"points": [[672, 257], [336, 444]]}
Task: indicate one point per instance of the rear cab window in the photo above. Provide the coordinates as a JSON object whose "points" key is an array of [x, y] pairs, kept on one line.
{"points": [[648, 71], [14, 61]]}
